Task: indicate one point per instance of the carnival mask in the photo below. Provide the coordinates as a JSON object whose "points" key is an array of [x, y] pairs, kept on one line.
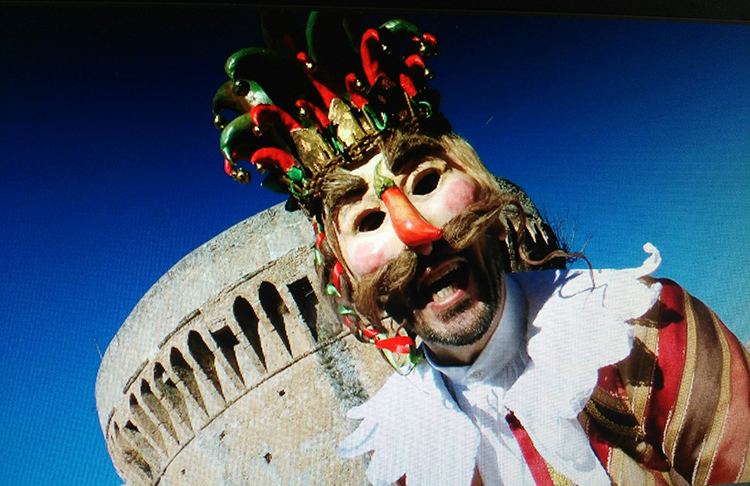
{"points": [[404, 212]]}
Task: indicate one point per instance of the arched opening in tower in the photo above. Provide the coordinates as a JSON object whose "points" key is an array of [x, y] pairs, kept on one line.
{"points": [[248, 322], [306, 300], [274, 307], [205, 359]]}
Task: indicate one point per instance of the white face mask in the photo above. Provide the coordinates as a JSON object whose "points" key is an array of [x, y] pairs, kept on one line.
{"points": [[454, 298], [437, 189]]}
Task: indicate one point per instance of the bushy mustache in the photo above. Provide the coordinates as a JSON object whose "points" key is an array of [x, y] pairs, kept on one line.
{"points": [[391, 287]]}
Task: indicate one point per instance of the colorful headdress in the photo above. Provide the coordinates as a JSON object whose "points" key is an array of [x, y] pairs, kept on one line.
{"points": [[306, 108]]}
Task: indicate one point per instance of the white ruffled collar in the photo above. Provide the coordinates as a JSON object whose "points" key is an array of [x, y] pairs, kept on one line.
{"points": [[415, 427], [574, 331]]}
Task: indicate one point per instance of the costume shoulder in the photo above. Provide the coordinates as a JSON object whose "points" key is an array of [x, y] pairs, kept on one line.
{"points": [[679, 405]]}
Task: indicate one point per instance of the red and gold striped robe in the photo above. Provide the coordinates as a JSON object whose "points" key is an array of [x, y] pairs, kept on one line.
{"points": [[677, 410]]}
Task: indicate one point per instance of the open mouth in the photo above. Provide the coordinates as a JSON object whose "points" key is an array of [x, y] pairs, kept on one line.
{"points": [[444, 282]]}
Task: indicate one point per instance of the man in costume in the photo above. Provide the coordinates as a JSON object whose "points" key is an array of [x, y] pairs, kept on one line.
{"points": [[510, 368]]}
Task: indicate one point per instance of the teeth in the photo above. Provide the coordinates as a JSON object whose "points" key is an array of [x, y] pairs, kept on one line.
{"points": [[440, 273], [443, 293]]}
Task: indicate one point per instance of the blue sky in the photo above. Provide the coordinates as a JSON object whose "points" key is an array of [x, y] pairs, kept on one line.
{"points": [[629, 130]]}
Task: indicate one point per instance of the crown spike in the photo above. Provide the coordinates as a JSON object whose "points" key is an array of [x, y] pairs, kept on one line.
{"points": [[429, 42], [239, 138], [313, 113], [319, 79], [371, 50], [236, 136], [269, 157], [416, 68], [227, 97], [265, 116], [407, 84], [356, 90]]}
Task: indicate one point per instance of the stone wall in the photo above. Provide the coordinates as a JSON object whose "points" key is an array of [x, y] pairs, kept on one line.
{"points": [[231, 370]]}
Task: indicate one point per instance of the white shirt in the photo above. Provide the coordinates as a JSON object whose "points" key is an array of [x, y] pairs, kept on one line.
{"points": [[479, 389]]}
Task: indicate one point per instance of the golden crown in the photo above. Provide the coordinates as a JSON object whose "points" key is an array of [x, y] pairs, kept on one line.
{"points": [[307, 106]]}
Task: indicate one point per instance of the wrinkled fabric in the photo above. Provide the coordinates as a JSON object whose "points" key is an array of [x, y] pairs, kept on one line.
{"points": [[415, 429]]}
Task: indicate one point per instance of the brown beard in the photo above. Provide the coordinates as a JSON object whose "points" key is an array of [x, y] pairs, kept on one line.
{"points": [[391, 287]]}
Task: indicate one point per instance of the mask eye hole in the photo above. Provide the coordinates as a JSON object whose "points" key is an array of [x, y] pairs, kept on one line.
{"points": [[371, 221], [427, 183]]}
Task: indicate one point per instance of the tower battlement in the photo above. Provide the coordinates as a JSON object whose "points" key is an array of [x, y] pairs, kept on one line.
{"points": [[232, 368]]}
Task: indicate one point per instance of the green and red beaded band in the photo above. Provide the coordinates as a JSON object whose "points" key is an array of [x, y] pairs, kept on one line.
{"points": [[388, 346]]}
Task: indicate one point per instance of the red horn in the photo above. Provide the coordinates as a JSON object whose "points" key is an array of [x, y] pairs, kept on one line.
{"points": [[356, 90], [414, 74], [272, 157], [264, 116], [318, 77], [370, 49], [315, 114]]}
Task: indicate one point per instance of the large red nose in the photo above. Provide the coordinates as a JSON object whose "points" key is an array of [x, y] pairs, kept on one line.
{"points": [[410, 226]]}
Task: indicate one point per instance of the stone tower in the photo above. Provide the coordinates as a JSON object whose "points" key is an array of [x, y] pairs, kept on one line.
{"points": [[231, 370]]}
